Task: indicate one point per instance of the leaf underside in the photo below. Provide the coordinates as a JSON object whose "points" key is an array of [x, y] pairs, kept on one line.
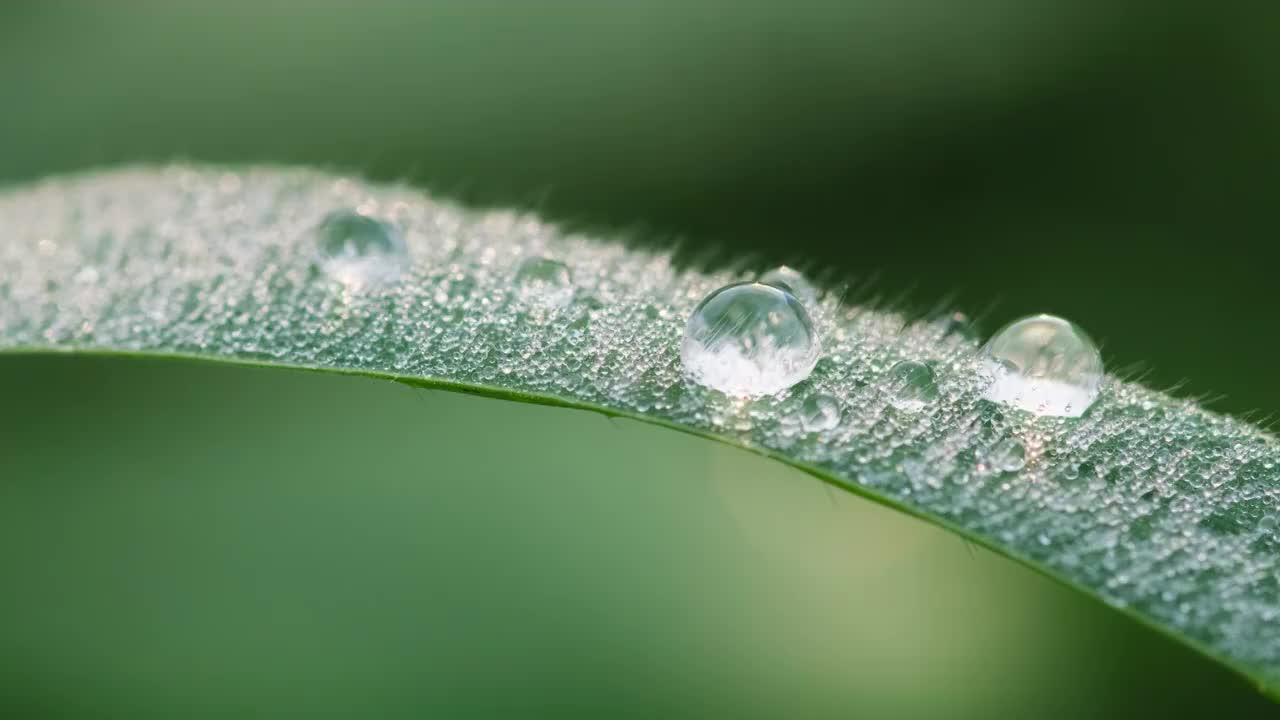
{"points": [[1161, 509]]}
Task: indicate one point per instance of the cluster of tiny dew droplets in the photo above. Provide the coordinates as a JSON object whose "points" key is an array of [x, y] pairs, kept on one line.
{"points": [[1152, 502]]}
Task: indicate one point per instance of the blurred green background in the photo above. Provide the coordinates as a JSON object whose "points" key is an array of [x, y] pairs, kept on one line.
{"points": [[182, 540], [191, 538], [1115, 163]]}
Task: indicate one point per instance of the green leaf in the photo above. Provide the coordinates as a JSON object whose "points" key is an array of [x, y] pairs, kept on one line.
{"points": [[1150, 503]]}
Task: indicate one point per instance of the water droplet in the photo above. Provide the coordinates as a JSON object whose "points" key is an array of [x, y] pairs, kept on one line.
{"points": [[359, 250], [543, 282], [956, 323], [1045, 365], [913, 386], [88, 275], [1008, 455], [819, 413], [793, 281], [749, 339]]}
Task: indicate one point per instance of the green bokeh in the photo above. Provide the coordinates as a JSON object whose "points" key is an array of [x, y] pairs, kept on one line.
{"points": [[1115, 163], [186, 539]]}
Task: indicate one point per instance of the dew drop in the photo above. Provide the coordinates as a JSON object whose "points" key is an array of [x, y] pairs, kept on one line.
{"points": [[87, 275], [791, 280], [543, 282], [1044, 365], [749, 339], [913, 386], [820, 412], [956, 323], [358, 250], [1008, 455]]}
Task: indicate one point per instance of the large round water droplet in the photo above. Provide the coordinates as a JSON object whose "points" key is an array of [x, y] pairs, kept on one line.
{"points": [[791, 280], [356, 249], [819, 412], [1044, 365], [543, 282], [749, 339], [912, 386]]}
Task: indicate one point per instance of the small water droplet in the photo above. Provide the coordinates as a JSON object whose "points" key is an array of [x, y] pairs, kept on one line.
{"points": [[1044, 365], [749, 339], [820, 412], [1008, 455], [358, 250], [793, 281], [87, 275], [913, 386], [543, 282], [956, 323]]}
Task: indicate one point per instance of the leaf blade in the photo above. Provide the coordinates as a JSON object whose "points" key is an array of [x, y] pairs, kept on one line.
{"points": [[1163, 510]]}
